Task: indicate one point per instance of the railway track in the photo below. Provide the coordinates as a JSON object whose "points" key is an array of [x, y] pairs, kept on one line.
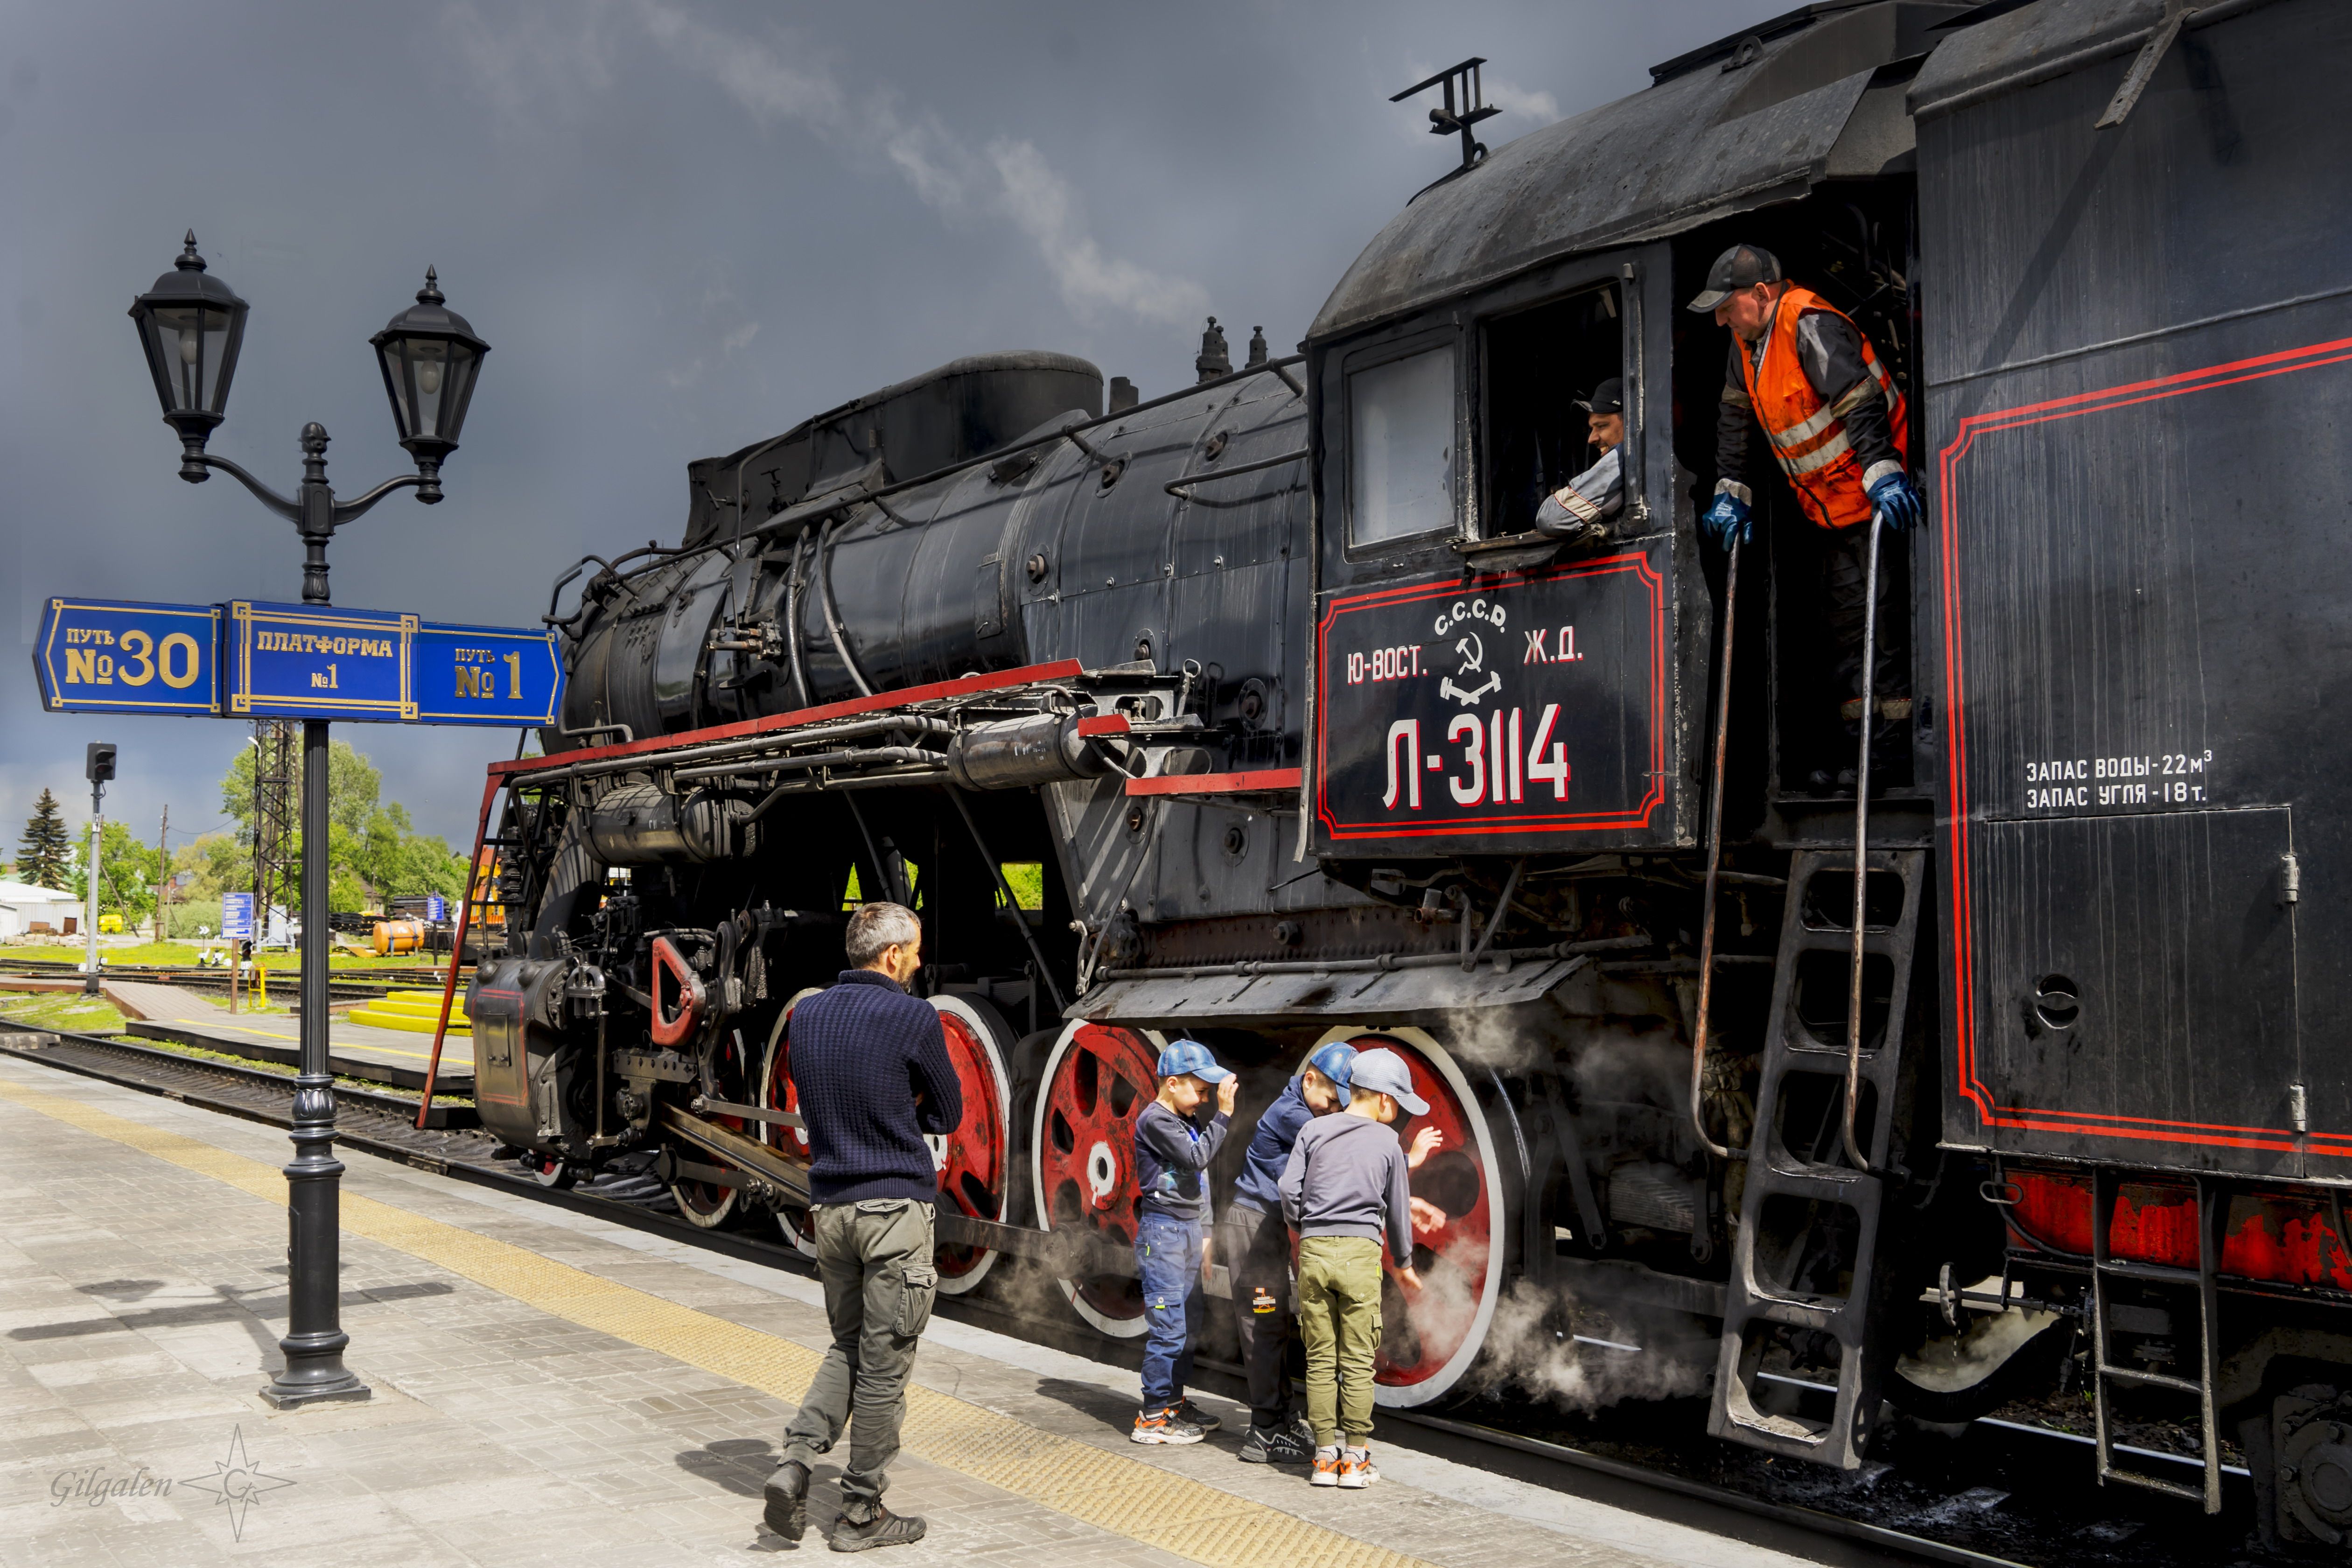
{"points": [[347, 986], [2000, 1493]]}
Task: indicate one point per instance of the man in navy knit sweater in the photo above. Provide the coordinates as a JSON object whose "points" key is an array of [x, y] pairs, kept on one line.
{"points": [[870, 1065]]}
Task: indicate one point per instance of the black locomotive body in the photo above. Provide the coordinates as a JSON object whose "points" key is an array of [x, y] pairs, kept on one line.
{"points": [[1260, 713]]}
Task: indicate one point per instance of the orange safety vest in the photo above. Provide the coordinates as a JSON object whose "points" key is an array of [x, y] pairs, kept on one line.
{"points": [[1808, 435]]}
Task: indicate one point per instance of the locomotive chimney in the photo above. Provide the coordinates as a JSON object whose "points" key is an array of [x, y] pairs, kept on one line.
{"points": [[1215, 359], [1122, 393]]}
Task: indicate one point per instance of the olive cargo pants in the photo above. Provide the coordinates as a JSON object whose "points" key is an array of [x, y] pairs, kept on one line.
{"points": [[875, 1259], [1340, 1324]]}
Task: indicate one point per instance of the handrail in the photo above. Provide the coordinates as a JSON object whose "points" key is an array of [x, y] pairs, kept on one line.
{"points": [[1176, 487]]}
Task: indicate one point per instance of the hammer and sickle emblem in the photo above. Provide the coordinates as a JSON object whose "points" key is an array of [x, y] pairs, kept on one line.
{"points": [[1474, 658]]}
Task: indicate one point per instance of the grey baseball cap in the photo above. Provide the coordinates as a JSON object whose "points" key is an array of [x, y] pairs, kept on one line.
{"points": [[1384, 1072], [1741, 266], [1609, 397]]}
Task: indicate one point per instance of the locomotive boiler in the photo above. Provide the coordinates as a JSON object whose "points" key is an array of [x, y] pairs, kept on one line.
{"points": [[1259, 711]]}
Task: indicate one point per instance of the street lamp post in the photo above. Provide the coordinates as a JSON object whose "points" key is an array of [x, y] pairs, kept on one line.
{"points": [[191, 326]]}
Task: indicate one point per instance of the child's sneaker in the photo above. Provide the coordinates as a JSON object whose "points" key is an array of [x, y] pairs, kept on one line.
{"points": [[1167, 1425], [1356, 1468], [1278, 1446], [1196, 1416], [1326, 1467]]}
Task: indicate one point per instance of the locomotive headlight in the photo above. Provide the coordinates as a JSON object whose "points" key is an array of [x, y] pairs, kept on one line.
{"points": [[430, 358]]}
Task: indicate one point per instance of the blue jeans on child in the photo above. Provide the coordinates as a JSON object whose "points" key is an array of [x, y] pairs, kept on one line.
{"points": [[1168, 1251]]}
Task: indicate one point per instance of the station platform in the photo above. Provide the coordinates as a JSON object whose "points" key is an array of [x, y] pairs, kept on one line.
{"points": [[548, 1387], [396, 1056]]}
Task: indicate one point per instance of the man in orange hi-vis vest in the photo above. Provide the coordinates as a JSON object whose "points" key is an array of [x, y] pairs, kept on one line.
{"points": [[1839, 427]]}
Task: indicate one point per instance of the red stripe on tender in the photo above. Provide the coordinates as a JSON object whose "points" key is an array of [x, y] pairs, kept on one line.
{"points": [[2310, 356]]}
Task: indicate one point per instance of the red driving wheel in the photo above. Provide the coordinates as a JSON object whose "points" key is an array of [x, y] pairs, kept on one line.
{"points": [[706, 1204], [1096, 1081], [777, 1093], [975, 1161], [1434, 1334]]}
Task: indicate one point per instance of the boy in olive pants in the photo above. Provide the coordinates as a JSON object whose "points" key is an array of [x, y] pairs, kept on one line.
{"points": [[1346, 1190]]}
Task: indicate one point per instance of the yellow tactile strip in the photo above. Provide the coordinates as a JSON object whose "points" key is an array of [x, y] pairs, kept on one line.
{"points": [[1097, 1486]]}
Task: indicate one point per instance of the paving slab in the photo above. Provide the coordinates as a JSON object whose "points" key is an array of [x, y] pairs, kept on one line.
{"points": [[548, 1387], [395, 1057]]}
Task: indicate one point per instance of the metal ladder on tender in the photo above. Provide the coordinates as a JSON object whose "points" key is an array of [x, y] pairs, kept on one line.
{"points": [[2212, 1224], [1762, 1290]]}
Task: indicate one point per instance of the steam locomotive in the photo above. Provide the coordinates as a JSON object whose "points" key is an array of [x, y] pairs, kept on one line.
{"points": [[1259, 711]]}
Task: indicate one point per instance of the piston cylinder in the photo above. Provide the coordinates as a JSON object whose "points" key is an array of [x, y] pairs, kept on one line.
{"points": [[639, 825], [1021, 752]]}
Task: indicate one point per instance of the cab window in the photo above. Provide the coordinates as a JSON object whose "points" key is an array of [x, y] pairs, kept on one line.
{"points": [[1401, 439], [1538, 364]]}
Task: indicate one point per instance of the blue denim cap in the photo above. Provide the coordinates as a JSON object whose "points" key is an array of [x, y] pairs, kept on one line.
{"points": [[1335, 1061], [1384, 1072], [1191, 1056]]}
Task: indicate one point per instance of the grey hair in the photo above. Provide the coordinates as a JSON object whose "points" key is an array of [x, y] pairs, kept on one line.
{"points": [[877, 926]]}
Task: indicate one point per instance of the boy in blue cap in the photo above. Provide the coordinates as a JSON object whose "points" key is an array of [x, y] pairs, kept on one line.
{"points": [[1254, 1247], [1347, 1190], [1172, 1152]]}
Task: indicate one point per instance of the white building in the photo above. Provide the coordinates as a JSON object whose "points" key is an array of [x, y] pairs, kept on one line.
{"points": [[22, 905]]}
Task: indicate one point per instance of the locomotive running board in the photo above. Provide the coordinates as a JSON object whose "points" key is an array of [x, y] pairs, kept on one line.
{"points": [[1818, 1192]]}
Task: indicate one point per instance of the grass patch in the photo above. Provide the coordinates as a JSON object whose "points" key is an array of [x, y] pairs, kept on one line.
{"points": [[185, 952], [65, 1010]]}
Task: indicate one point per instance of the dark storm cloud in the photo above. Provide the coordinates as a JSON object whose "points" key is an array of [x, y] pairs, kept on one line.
{"points": [[682, 227]]}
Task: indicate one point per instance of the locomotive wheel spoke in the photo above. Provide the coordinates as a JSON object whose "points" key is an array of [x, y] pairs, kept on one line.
{"points": [[1082, 1154]]}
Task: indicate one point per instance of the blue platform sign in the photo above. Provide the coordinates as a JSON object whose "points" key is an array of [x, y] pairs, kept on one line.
{"points": [[113, 655], [236, 916], [485, 675], [251, 659], [317, 661], [437, 908]]}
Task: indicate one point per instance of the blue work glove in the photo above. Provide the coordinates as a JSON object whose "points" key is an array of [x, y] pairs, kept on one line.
{"points": [[1897, 500], [1728, 519]]}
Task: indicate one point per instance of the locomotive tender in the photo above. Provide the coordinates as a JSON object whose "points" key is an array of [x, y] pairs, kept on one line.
{"points": [[1300, 732]]}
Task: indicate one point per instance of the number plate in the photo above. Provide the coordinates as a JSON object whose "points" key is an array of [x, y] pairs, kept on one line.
{"points": [[1496, 717]]}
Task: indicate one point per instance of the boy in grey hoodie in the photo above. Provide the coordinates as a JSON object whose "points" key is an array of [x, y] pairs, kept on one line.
{"points": [[1346, 1190]]}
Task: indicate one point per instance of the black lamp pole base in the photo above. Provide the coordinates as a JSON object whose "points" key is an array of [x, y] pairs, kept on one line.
{"points": [[346, 1387], [314, 1338]]}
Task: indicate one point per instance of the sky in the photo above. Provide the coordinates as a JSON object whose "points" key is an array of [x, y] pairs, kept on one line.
{"points": [[682, 227]]}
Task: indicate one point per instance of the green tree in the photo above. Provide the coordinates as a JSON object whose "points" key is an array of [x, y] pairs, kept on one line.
{"points": [[45, 854], [373, 850], [126, 874], [353, 788]]}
